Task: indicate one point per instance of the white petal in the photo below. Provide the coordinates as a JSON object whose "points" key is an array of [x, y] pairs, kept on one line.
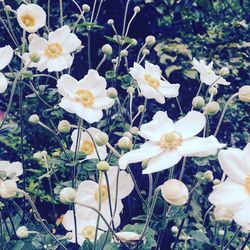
{"points": [[69, 105], [191, 124], [154, 129], [169, 90], [137, 72], [152, 70], [60, 35], [165, 160], [150, 92], [38, 44], [246, 153], [88, 114], [71, 43], [6, 54], [103, 102], [86, 193], [58, 64], [66, 86], [17, 168], [3, 83], [242, 217], [138, 155]]}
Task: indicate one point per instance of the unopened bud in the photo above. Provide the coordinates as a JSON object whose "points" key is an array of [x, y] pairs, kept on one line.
{"points": [[198, 102], [85, 8], [221, 232], [137, 9], [134, 131], [125, 143], [107, 49], [223, 214], [112, 93], [244, 93], [110, 22], [131, 90], [67, 195], [224, 71], [150, 40], [22, 232], [212, 108], [141, 108], [213, 91], [208, 175], [216, 181], [8, 8], [63, 126], [124, 53], [145, 52], [34, 119], [127, 134], [101, 138], [103, 166], [174, 229], [133, 42], [34, 57]]}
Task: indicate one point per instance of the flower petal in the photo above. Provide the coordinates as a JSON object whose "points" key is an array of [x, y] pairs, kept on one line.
{"points": [[71, 43], [103, 102], [60, 35], [58, 64], [152, 70], [66, 86], [242, 217], [6, 54], [38, 44], [3, 83], [137, 72], [169, 90], [246, 153]]}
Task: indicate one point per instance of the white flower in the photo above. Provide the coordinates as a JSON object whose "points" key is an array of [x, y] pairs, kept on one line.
{"points": [[169, 142], [150, 83], [55, 54], [6, 54], [86, 144], [234, 193], [31, 17], [88, 193], [13, 169], [131, 237], [8, 188], [86, 97], [207, 75]]}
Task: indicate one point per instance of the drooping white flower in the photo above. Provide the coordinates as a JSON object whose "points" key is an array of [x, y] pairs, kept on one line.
{"points": [[234, 192], [13, 169], [86, 144], [207, 74], [6, 54], [88, 193], [86, 97], [125, 236], [31, 17], [150, 81], [169, 142], [55, 54]]}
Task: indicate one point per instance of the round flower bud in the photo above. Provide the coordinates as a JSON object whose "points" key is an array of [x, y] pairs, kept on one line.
{"points": [[133, 42], [223, 215], [137, 9], [208, 175], [134, 131], [216, 181], [114, 61], [110, 22], [107, 49], [34, 57], [34, 119], [141, 108], [213, 91], [101, 138], [102, 166], [144, 164], [198, 102], [127, 134], [8, 8], [221, 232], [8, 189], [22, 232], [67, 195], [150, 40], [63, 126], [131, 90], [224, 71], [85, 8], [38, 155], [174, 229], [124, 53], [125, 143], [145, 52], [244, 93], [212, 108], [175, 192], [246, 248], [32, 36], [112, 93]]}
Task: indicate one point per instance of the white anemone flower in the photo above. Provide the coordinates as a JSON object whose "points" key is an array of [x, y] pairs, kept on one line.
{"points": [[86, 97], [55, 54], [207, 74], [86, 144], [150, 82], [13, 169], [31, 17], [88, 193], [234, 192], [6, 54], [169, 142]]}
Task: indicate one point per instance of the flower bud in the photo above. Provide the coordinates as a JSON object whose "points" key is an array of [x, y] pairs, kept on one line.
{"points": [[244, 93], [224, 71], [134, 131], [131, 90], [63, 126], [34, 57], [102, 166], [246, 248], [32, 36], [69, 235], [101, 138], [198, 102], [133, 42], [124, 53], [34, 119], [8, 189], [216, 181], [85, 8], [137, 9], [208, 175], [221, 232], [127, 134], [150, 40], [212, 108], [141, 108], [67, 195], [144, 164], [114, 61], [8, 8], [174, 229], [145, 52], [22, 232], [175, 192], [107, 49], [223, 214], [112, 93], [213, 91], [110, 22], [125, 143]]}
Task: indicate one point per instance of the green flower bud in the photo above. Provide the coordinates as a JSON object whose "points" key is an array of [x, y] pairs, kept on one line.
{"points": [[174, 229], [198, 102], [101, 139], [133, 42], [224, 71], [34, 119], [208, 175], [213, 91], [131, 90], [85, 8], [107, 49], [103, 166], [34, 57], [212, 108], [221, 232], [112, 93], [64, 126], [145, 52], [244, 93], [125, 143], [141, 108], [67, 195], [124, 53], [216, 181], [22, 232]]}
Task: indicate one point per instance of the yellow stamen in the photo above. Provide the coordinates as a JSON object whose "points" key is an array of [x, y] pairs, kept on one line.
{"points": [[104, 193], [28, 20], [153, 82], [247, 184], [88, 232], [87, 147], [85, 97], [171, 140], [53, 50]]}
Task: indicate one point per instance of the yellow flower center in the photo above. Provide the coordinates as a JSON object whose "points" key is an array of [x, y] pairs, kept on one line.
{"points": [[53, 50], [171, 140], [87, 147], [85, 97], [209, 72], [28, 20], [153, 82], [247, 184], [88, 232], [104, 193]]}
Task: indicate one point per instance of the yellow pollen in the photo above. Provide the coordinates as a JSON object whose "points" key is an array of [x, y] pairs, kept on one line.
{"points": [[153, 82], [28, 20], [88, 232], [87, 147], [53, 50], [247, 184], [171, 140], [104, 193], [85, 97]]}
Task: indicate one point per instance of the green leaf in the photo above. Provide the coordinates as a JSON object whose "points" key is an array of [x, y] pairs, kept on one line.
{"points": [[15, 245], [171, 69], [192, 74]]}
